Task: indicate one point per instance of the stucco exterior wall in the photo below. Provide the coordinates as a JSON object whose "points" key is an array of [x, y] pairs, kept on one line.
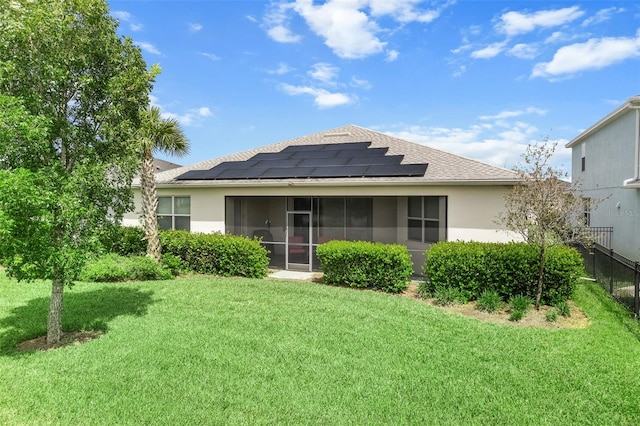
{"points": [[471, 210], [609, 161]]}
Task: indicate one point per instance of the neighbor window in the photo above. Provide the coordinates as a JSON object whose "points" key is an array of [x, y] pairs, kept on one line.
{"points": [[174, 213], [586, 211], [427, 219], [583, 157]]}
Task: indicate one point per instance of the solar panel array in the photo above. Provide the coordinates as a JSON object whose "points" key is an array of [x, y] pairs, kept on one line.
{"points": [[343, 160]]}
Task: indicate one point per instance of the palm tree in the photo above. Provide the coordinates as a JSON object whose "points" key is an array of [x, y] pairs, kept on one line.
{"points": [[156, 134]]}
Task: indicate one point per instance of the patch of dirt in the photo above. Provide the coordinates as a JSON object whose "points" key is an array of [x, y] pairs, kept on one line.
{"points": [[68, 339], [533, 318]]}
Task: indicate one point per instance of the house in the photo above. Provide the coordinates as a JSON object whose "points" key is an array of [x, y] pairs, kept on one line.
{"points": [[347, 183], [606, 164], [163, 165]]}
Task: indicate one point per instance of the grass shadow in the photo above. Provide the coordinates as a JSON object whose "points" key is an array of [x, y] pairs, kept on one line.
{"points": [[89, 310]]}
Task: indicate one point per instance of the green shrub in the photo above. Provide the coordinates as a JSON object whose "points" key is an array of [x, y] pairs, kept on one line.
{"points": [[125, 241], [564, 309], [508, 269], [516, 315], [116, 268], [172, 262], [519, 303], [386, 267], [448, 296], [552, 315], [489, 301], [219, 254], [425, 290]]}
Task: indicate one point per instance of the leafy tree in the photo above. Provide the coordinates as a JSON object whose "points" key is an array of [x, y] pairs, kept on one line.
{"points": [[544, 208], [67, 153], [156, 134]]}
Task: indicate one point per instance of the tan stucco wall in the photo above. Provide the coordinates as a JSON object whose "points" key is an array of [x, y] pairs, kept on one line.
{"points": [[471, 214]]}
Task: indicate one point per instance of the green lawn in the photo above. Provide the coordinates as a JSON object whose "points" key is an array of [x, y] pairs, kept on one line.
{"points": [[241, 351]]}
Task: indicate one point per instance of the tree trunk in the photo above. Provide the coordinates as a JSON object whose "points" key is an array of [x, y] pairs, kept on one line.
{"points": [[540, 277], [149, 207], [54, 323]]}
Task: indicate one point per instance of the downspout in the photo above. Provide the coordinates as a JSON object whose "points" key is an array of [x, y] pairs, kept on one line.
{"points": [[633, 104]]}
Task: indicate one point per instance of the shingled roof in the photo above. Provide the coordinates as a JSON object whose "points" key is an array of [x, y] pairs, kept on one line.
{"points": [[443, 167]]}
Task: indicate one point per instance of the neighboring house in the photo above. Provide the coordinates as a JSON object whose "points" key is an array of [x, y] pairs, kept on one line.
{"points": [[347, 183], [606, 164], [163, 165]]}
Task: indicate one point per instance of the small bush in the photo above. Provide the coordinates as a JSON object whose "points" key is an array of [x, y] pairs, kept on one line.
{"points": [[518, 305], [552, 315], [490, 301], [508, 269], [425, 290], [125, 241], [115, 268], [386, 267], [516, 316], [219, 254], [173, 263], [564, 309], [448, 296]]}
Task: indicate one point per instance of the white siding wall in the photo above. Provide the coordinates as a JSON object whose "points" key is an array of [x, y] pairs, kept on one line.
{"points": [[609, 157]]}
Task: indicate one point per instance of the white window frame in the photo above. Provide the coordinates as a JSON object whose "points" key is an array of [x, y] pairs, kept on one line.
{"points": [[173, 213]]}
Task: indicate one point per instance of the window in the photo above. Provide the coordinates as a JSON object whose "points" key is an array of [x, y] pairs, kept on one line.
{"points": [[427, 221], [583, 159], [174, 213], [587, 211]]}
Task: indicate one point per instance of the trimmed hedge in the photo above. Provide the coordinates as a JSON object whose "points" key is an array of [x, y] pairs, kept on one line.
{"points": [[509, 269], [386, 267], [115, 268], [125, 241], [219, 254]]}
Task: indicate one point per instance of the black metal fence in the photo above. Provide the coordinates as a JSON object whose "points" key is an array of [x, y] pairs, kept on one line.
{"points": [[619, 276], [601, 235]]}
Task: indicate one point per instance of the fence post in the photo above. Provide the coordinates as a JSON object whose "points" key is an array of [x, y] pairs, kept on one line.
{"points": [[610, 271], [636, 295]]}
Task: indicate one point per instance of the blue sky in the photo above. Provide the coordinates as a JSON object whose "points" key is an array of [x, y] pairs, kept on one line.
{"points": [[480, 79]]}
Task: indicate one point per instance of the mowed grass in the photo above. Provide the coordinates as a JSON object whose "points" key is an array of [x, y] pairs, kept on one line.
{"points": [[239, 351]]}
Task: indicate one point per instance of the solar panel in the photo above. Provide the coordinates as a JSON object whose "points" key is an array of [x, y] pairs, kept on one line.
{"points": [[338, 160]]}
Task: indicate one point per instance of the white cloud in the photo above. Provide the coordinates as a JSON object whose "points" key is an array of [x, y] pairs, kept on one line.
{"points": [[204, 112], [392, 55], [490, 51], [321, 97], [251, 18], [514, 23], [511, 114], [501, 143], [596, 53], [324, 73], [602, 15], [211, 56], [124, 16], [277, 20], [194, 27], [281, 70], [147, 47], [121, 15], [282, 34], [524, 51], [360, 83], [349, 28]]}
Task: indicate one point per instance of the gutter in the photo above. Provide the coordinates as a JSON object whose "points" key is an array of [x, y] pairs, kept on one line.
{"points": [[634, 182]]}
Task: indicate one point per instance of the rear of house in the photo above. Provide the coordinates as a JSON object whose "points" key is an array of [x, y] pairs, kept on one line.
{"points": [[348, 183]]}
